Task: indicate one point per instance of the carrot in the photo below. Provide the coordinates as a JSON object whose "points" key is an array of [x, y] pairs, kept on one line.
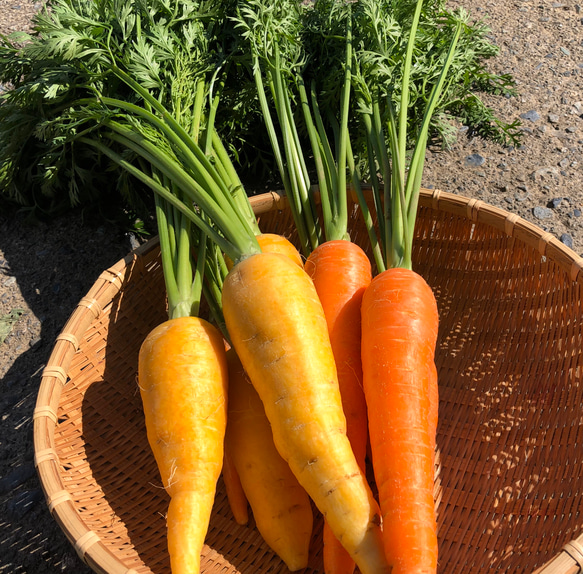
{"points": [[183, 383], [341, 272], [399, 313], [399, 334], [234, 490], [274, 243], [278, 328], [281, 507]]}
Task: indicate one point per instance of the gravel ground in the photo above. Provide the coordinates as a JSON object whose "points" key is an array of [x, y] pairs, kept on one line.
{"points": [[45, 269]]}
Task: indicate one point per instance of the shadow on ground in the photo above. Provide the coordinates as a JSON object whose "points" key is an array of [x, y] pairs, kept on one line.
{"points": [[45, 269]]}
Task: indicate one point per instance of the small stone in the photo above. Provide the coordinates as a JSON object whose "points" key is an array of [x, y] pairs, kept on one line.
{"points": [[10, 281], [555, 203], [134, 243], [554, 118], [509, 200], [542, 212], [531, 116], [564, 163], [571, 129], [577, 213], [544, 172], [567, 240], [565, 51], [474, 160]]}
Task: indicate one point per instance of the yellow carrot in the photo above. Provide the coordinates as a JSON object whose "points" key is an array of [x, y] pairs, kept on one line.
{"points": [[281, 507], [274, 243], [182, 376], [278, 328], [234, 490]]}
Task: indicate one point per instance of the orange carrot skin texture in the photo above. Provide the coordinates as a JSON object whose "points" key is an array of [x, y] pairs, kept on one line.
{"points": [[183, 376], [234, 489], [274, 243], [341, 272], [399, 335], [281, 507], [278, 328]]}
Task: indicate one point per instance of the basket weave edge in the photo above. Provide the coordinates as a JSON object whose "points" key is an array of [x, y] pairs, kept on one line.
{"points": [[475, 210], [86, 542]]}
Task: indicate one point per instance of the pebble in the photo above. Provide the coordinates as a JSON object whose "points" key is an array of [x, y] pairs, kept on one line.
{"points": [[576, 213], [134, 243], [475, 160], [567, 240], [542, 212], [531, 116], [554, 118], [556, 202], [543, 172]]}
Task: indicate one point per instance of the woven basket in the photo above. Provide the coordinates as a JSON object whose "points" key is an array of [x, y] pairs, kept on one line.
{"points": [[509, 468]]}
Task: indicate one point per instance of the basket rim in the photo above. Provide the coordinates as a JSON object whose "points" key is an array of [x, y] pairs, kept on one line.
{"points": [[88, 545]]}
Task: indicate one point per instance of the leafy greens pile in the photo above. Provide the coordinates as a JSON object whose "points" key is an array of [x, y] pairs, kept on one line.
{"points": [[88, 65]]}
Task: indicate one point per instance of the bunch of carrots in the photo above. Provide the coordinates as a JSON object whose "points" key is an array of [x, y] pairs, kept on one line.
{"points": [[306, 359]]}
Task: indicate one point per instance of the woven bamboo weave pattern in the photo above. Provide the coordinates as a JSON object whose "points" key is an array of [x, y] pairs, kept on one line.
{"points": [[509, 468]]}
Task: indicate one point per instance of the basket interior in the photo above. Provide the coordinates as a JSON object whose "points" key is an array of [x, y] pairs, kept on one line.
{"points": [[510, 430]]}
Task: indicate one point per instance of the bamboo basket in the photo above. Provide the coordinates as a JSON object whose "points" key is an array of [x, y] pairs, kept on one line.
{"points": [[509, 466]]}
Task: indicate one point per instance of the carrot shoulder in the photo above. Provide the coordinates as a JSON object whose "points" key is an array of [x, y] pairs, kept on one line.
{"points": [[182, 375], [275, 243], [278, 328], [341, 272], [399, 334]]}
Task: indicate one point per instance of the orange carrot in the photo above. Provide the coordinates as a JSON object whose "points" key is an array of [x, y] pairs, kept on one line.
{"points": [[399, 334], [278, 328], [341, 272], [281, 507], [182, 376], [234, 490]]}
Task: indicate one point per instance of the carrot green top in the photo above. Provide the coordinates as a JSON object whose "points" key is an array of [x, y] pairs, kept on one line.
{"points": [[396, 205]]}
